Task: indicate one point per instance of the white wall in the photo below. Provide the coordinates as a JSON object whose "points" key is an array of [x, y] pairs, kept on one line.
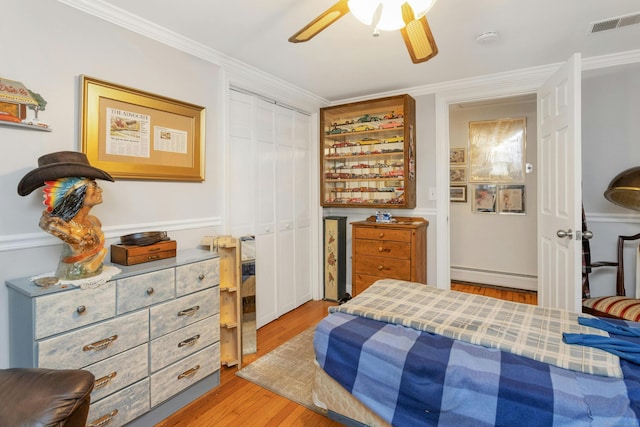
{"points": [[610, 144], [51, 45], [425, 179], [495, 249]]}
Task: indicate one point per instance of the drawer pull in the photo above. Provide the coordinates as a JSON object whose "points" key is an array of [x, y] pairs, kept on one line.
{"points": [[380, 267], [104, 381], [152, 257], [189, 341], [381, 235], [100, 345], [381, 249], [154, 249], [103, 420], [81, 309], [201, 277], [188, 374], [150, 291], [189, 311]]}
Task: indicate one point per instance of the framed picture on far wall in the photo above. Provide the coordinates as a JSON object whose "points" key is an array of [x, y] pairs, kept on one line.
{"points": [[458, 175], [511, 199], [457, 156], [458, 193], [497, 150], [484, 198]]}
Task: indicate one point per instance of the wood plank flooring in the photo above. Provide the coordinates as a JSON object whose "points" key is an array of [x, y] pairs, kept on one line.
{"points": [[238, 402]]}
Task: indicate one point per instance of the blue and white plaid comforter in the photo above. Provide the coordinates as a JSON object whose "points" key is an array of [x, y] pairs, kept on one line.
{"points": [[415, 378]]}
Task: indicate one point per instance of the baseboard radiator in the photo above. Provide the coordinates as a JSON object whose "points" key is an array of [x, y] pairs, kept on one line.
{"points": [[494, 278]]}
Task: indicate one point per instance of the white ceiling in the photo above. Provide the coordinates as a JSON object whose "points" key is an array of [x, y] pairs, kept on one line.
{"points": [[345, 61]]}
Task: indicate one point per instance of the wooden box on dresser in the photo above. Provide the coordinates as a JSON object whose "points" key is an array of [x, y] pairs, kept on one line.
{"points": [[396, 250], [150, 335]]}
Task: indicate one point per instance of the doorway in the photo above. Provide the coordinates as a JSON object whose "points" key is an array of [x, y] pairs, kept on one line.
{"points": [[494, 246]]}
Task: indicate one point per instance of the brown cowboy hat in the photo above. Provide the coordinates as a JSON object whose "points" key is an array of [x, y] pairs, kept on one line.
{"points": [[58, 165]]}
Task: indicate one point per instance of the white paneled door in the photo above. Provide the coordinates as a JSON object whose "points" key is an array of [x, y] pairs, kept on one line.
{"points": [[269, 178], [559, 191]]}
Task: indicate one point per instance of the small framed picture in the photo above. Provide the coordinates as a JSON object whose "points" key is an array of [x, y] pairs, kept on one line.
{"points": [[484, 198], [511, 199], [458, 175], [458, 193], [458, 156]]}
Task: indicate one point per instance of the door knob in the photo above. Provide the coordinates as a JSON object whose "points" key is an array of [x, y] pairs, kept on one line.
{"points": [[562, 234], [587, 234]]}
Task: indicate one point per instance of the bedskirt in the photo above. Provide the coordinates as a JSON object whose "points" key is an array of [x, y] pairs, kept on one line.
{"points": [[329, 395]]}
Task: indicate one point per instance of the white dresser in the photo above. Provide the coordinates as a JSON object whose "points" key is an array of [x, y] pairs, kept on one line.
{"points": [[151, 335]]}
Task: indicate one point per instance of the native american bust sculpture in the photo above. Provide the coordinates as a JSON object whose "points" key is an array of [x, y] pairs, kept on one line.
{"points": [[70, 191]]}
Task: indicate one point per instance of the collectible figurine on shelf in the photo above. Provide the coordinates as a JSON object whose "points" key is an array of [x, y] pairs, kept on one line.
{"points": [[70, 191]]}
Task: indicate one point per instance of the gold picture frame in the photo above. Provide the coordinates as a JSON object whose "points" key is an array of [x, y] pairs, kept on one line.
{"points": [[139, 135]]}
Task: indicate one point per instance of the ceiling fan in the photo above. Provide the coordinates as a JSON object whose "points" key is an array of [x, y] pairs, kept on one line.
{"points": [[408, 16]]}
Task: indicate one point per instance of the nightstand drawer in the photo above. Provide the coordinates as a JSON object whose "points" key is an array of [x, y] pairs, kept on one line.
{"points": [[173, 315], [380, 233], [196, 276], [182, 374], [383, 267], [183, 342], [121, 407], [383, 248], [145, 289], [94, 343], [61, 312], [119, 371]]}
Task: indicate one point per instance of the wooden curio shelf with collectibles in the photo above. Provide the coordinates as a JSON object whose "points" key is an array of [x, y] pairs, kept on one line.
{"points": [[368, 154]]}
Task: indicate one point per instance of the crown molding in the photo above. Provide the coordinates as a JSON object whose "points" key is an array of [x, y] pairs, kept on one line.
{"points": [[122, 18], [515, 81]]}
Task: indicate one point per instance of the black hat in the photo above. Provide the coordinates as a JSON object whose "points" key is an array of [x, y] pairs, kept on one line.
{"points": [[61, 164]]}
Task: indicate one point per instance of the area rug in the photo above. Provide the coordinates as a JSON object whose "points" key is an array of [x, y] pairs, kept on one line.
{"points": [[287, 370]]}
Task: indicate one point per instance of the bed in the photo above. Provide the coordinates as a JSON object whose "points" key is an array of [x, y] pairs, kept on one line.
{"points": [[406, 354]]}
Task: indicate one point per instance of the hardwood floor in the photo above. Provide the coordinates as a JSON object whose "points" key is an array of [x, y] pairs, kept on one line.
{"points": [[525, 297], [238, 402]]}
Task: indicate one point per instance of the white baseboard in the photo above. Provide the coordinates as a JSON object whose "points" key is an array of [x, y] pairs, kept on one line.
{"points": [[495, 278]]}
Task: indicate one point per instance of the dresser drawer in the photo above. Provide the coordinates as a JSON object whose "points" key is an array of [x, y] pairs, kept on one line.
{"points": [[385, 248], [383, 267], [63, 311], [197, 276], [121, 407], [145, 289], [362, 282], [183, 342], [119, 371], [380, 233], [170, 316], [94, 343], [175, 378]]}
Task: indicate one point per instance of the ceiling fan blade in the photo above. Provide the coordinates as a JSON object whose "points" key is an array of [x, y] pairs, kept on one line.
{"points": [[419, 40], [327, 18]]}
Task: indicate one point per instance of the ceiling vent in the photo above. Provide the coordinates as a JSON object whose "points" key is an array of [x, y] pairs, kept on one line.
{"points": [[614, 23]]}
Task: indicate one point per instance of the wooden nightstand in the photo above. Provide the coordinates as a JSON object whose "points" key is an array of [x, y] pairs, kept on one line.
{"points": [[396, 250]]}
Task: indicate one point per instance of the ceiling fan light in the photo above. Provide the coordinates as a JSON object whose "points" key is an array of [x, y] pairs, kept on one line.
{"points": [[420, 7], [391, 15], [363, 10]]}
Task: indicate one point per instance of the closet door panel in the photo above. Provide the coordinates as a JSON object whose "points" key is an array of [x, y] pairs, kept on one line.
{"points": [[242, 179], [266, 307], [286, 266], [265, 168]]}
